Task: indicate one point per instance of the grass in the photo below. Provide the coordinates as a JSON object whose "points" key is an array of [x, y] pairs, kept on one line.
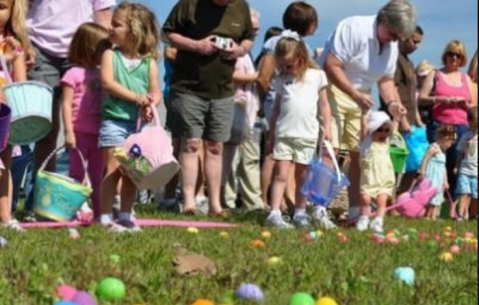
{"points": [[356, 272]]}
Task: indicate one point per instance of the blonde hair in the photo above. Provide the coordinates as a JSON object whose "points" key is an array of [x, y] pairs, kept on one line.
{"points": [[88, 44], [457, 47], [424, 68], [295, 48], [144, 28], [17, 24]]}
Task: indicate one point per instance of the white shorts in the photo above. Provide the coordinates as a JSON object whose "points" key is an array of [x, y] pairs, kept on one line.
{"points": [[298, 150]]}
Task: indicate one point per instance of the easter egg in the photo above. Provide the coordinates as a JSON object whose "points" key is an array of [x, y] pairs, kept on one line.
{"points": [[266, 234], [111, 289], [203, 302], [193, 230], [394, 241], [448, 229], [250, 292], [115, 258], [301, 298], [3, 242], [432, 244], [455, 249], [224, 235], [469, 235], [447, 257], [274, 261], [64, 303], [257, 243], [406, 275], [423, 236], [83, 298], [66, 292], [326, 301]]}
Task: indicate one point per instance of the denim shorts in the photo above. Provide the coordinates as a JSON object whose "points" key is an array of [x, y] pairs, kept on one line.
{"points": [[467, 185], [114, 133]]}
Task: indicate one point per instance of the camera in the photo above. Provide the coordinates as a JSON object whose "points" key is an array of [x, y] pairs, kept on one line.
{"points": [[223, 43]]}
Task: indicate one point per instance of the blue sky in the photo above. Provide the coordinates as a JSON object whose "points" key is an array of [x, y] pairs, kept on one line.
{"points": [[442, 20]]}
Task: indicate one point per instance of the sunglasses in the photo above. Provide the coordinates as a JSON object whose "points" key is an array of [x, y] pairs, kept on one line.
{"points": [[454, 54], [383, 130]]}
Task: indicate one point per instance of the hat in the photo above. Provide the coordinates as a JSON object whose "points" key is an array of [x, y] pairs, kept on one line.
{"points": [[424, 68], [376, 119]]}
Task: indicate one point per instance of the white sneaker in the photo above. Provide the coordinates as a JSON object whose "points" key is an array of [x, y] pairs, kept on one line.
{"points": [[302, 221], [321, 216], [202, 205], [114, 227], [13, 225], [277, 222], [363, 223], [377, 225]]}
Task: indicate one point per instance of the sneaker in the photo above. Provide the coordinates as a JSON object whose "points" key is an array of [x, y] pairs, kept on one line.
{"points": [[129, 225], [30, 217], [202, 205], [363, 224], [322, 217], [377, 225], [278, 222], [169, 205], [13, 225], [302, 221]]}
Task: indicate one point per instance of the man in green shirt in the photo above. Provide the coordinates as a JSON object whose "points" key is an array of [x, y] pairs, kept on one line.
{"points": [[209, 35]]}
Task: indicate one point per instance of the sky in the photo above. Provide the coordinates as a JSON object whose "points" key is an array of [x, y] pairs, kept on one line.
{"points": [[442, 20]]}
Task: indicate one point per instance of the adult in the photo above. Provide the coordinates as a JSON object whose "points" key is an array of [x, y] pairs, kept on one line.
{"points": [[423, 69], [302, 18], [52, 24], [202, 85], [411, 125], [241, 164], [450, 92], [473, 73], [362, 51]]}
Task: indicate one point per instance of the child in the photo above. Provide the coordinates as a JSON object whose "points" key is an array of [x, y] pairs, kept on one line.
{"points": [[434, 167], [82, 99], [129, 75], [467, 180], [13, 42], [295, 128], [377, 173]]}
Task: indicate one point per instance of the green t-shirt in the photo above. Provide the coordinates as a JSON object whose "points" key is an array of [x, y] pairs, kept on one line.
{"points": [[136, 80], [209, 77]]}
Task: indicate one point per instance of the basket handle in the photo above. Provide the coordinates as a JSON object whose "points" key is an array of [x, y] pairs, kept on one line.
{"points": [[5, 69], [156, 118], [330, 150], [86, 180]]}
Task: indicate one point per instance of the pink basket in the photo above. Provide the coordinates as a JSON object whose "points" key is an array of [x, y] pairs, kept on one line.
{"points": [[147, 156]]}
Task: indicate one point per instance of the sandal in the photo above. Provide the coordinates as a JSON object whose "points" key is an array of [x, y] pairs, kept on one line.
{"points": [[225, 214]]}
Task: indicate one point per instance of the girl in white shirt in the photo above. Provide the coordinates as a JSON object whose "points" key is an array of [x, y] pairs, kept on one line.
{"points": [[295, 127]]}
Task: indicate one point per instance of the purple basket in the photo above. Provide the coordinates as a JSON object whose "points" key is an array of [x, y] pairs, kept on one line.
{"points": [[5, 119]]}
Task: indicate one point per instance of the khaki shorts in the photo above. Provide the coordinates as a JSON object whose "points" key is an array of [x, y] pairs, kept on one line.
{"points": [[300, 151], [346, 120]]}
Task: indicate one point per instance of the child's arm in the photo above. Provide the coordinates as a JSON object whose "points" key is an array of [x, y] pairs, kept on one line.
{"points": [[154, 87], [364, 126], [68, 93], [325, 111], [114, 88], [431, 152], [241, 78], [446, 182]]}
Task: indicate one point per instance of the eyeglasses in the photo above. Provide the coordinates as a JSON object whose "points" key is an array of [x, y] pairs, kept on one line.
{"points": [[454, 54]]}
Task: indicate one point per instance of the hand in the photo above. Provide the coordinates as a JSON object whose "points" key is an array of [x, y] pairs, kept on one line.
{"points": [[235, 52], [31, 59], [147, 114], [143, 100], [70, 140], [13, 49], [206, 46], [327, 135], [363, 100], [397, 110], [269, 147], [405, 127]]}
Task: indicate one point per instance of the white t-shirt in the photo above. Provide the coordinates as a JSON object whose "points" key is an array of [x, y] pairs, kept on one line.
{"points": [[355, 44], [52, 23], [468, 145], [298, 117]]}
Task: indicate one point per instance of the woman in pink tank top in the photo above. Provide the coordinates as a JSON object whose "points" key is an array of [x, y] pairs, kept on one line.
{"points": [[450, 92]]}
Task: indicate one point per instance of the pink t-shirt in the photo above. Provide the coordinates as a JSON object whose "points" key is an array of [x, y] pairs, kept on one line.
{"points": [[247, 92], [87, 98], [52, 23], [447, 113]]}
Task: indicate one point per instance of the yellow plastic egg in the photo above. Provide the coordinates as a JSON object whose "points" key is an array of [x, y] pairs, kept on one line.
{"points": [[203, 302], [193, 230], [326, 301], [447, 257]]}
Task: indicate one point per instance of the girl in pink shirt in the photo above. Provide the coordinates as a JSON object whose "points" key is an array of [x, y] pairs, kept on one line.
{"points": [[83, 98]]}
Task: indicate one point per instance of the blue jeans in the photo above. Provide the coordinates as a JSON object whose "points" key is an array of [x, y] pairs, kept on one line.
{"points": [[22, 166], [452, 154]]}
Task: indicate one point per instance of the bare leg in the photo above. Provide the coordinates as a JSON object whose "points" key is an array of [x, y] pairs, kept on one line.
{"points": [[128, 194], [464, 205], [110, 181], [382, 202], [201, 183], [279, 184], [365, 205], [6, 186], [266, 177], [189, 174], [213, 170], [300, 173], [290, 194]]}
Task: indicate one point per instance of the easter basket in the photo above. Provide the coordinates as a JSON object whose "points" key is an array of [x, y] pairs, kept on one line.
{"points": [[5, 118], [58, 197], [324, 181], [31, 105], [399, 153], [147, 156]]}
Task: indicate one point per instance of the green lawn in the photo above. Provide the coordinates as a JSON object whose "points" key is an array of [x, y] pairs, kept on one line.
{"points": [[356, 272]]}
